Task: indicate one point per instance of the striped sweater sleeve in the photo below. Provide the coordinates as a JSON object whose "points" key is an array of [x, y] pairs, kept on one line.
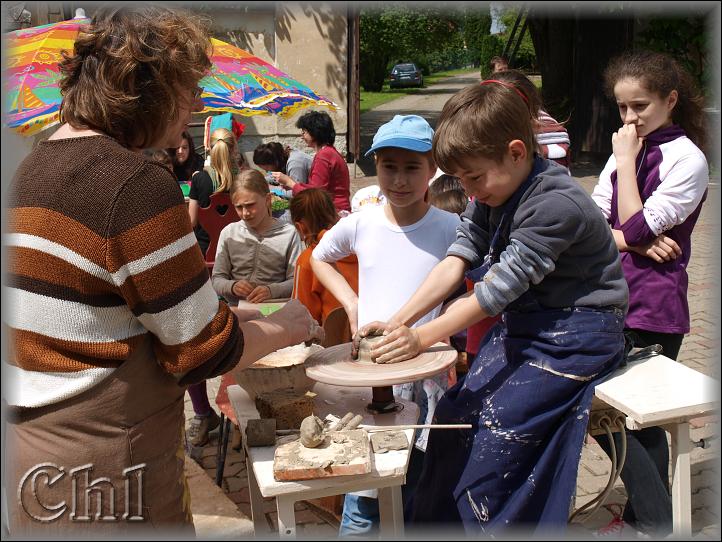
{"points": [[158, 268], [100, 258]]}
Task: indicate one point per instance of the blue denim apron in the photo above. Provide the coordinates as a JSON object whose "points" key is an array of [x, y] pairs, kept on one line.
{"points": [[527, 396]]}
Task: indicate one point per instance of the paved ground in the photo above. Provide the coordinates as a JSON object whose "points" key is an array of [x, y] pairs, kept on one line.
{"points": [[700, 351]]}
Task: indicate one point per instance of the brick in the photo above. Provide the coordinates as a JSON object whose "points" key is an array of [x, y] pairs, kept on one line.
{"points": [[236, 483], [234, 469]]}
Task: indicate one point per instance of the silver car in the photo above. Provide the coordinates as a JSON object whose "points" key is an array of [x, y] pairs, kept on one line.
{"points": [[406, 75]]}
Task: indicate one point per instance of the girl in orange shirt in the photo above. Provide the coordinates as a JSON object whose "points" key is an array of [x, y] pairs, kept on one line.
{"points": [[313, 212]]}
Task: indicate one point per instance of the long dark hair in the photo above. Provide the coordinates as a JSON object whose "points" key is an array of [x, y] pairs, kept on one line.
{"points": [[661, 74]]}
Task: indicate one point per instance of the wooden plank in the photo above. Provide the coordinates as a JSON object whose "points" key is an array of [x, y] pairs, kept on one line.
{"points": [[342, 453], [657, 390]]}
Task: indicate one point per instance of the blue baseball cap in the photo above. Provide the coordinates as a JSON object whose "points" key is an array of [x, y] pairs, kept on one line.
{"points": [[410, 132]]}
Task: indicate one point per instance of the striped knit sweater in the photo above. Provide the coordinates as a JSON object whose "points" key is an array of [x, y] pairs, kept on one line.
{"points": [[101, 254]]}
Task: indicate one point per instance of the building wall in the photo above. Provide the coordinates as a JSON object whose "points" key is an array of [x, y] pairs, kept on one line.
{"points": [[308, 42]]}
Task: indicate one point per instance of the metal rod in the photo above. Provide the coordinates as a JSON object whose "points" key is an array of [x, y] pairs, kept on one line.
{"points": [[412, 426]]}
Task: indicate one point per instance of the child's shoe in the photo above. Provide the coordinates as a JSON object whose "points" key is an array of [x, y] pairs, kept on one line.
{"points": [[201, 426]]}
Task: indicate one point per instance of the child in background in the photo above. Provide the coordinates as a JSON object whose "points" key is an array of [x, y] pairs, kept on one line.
{"points": [[313, 213], [186, 161], [442, 183], [257, 255], [546, 258], [551, 136], [273, 156], [651, 193], [212, 179], [397, 245], [452, 201]]}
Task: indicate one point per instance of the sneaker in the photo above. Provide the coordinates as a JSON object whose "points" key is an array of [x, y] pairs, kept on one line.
{"points": [[618, 528], [201, 426]]}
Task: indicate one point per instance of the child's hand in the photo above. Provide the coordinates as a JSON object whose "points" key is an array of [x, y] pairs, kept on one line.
{"points": [[626, 144], [399, 345], [372, 328], [662, 249], [283, 179], [241, 288], [259, 294]]}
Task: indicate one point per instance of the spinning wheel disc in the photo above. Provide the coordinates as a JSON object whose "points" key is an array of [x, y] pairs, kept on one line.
{"points": [[334, 365]]}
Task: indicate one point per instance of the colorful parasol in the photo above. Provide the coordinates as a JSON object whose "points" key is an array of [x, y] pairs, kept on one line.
{"points": [[32, 95], [239, 82], [244, 84]]}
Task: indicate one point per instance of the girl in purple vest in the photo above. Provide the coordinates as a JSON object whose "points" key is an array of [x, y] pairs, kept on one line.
{"points": [[651, 192]]}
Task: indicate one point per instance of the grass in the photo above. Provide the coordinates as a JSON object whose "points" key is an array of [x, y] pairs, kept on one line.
{"points": [[369, 100]]}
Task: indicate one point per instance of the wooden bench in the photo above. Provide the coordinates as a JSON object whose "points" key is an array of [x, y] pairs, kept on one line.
{"points": [[659, 391]]}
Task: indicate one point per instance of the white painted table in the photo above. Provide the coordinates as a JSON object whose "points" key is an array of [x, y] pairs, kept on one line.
{"points": [[662, 392], [388, 470]]}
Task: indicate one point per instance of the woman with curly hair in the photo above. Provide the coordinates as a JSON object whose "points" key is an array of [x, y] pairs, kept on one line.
{"points": [[113, 312], [328, 169]]}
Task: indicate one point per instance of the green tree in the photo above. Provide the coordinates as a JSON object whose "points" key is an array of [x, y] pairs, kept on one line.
{"points": [[400, 33], [476, 27], [525, 57], [685, 39]]}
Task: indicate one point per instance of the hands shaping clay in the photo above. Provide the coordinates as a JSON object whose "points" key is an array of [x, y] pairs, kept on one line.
{"points": [[366, 345]]}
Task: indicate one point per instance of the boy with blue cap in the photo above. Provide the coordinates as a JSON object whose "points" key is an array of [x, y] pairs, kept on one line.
{"points": [[397, 245]]}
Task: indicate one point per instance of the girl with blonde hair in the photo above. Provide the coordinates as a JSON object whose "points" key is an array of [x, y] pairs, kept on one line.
{"points": [[213, 179]]}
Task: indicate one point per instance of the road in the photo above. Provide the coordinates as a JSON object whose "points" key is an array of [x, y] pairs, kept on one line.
{"points": [[426, 102]]}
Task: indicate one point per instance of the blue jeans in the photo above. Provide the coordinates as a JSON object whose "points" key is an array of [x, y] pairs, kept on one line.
{"points": [[361, 514]]}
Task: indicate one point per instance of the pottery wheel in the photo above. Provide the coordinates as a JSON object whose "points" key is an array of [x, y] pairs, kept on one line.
{"points": [[334, 365]]}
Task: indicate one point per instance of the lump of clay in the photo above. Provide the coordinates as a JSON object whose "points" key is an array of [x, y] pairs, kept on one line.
{"points": [[311, 431], [366, 345]]}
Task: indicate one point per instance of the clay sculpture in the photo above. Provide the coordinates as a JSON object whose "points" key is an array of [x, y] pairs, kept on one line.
{"points": [[311, 431]]}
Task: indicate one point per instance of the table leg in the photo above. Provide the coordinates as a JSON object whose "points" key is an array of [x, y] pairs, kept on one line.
{"points": [[286, 516], [681, 480], [260, 526], [391, 512]]}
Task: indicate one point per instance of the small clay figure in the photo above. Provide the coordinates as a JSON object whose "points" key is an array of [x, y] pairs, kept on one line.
{"points": [[311, 431]]}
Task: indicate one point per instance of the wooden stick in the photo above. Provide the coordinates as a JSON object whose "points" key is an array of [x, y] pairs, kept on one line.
{"points": [[420, 426]]}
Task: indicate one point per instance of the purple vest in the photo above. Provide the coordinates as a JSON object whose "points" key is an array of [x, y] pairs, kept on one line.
{"points": [[657, 291]]}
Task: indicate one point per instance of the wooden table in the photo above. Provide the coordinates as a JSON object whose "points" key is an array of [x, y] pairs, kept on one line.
{"points": [[388, 470], [662, 392]]}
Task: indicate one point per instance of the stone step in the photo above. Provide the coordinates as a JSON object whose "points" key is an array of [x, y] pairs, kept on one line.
{"points": [[215, 516]]}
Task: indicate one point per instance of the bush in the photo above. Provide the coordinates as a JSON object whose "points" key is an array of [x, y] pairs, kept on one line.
{"points": [[491, 46]]}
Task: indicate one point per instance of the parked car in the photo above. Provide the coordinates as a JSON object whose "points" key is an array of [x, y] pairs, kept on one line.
{"points": [[406, 75]]}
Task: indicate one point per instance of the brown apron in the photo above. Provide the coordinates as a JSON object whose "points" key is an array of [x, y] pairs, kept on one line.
{"points": [[108, 461]]}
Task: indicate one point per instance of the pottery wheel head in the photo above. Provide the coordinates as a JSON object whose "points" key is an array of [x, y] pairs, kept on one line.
{"points": [[334, 365]]}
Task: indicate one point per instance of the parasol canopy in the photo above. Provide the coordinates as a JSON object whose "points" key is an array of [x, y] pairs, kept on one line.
{"points": [[239, 82]]}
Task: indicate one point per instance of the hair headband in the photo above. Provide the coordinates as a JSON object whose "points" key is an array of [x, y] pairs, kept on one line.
{"points": [[507, 85]]}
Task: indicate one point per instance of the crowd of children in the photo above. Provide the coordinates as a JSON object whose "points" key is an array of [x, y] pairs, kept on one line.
{"points": [[541, 281]]}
